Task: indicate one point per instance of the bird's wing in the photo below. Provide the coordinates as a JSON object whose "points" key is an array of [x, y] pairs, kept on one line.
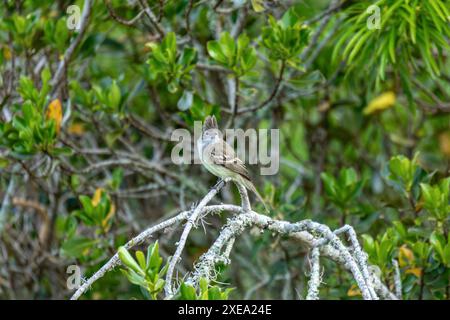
{"points": [[223, 154]]}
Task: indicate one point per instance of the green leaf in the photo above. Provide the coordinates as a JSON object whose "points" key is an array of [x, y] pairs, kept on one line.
{"points": [[87, 204], [62, 151], [77, 247], [114, 96], [187, 292], [141, 259], [154, 260], [128, 261], [215, 52], [257, 5], [188, 57]]}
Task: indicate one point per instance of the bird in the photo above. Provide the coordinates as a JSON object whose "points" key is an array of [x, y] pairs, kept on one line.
{"points": [[219, 158]]}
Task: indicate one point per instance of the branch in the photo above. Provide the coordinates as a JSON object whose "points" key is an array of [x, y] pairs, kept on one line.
{"points": [[314, 281], [56, 81], [116, 17], [311, 234], [397, 280], [6, 204], [269, 98], [42, 212], [115, 261], [233, 98], [301, 230], [335, 6], [212, 67], [152, 18], [187, 229]]}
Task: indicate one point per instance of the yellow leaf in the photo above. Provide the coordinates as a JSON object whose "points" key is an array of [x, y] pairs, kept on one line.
{"points": [[7, 53], [380, 103], [54, 111], [444, 143], [415, 271], [405, 256], [112, 209], [150, 46], [97, 197], [76, 129], [258, 5], [353, 291], [110, 214]]}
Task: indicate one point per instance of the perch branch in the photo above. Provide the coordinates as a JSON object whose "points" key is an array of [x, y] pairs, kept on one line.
{"points": [[314, 281], [309, 233], [115, 261], [187, 229], [397, 279]]}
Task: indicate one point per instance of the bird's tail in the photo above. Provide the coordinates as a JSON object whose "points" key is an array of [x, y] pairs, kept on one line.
{"points": [[250, 186]]}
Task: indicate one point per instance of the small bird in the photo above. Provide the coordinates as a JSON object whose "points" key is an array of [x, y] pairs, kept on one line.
{"points": [[219, 158]]}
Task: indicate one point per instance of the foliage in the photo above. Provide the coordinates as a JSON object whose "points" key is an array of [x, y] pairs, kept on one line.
{"points": [[146, 272], [205, 291], [86, 118]]}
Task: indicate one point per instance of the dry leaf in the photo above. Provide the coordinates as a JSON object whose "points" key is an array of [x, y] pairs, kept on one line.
{"points": [[54, 111], [96, 200], [97, 197], [415, 271], [76, 129], [353, 291], [405, 256], [444, 143], [7, 53], [110, 214]]}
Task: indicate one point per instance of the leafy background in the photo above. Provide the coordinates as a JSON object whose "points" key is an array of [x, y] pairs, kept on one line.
{"points": [[85, 150]]}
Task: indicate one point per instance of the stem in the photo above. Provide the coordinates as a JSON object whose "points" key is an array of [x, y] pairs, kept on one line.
{"points": [[273, 93], [422, 284]]}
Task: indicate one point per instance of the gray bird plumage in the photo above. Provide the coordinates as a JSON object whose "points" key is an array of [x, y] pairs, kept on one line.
{"points": [[219, 158]]}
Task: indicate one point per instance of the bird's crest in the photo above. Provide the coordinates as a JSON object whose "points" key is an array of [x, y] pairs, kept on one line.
{"points": [[210, 123]]}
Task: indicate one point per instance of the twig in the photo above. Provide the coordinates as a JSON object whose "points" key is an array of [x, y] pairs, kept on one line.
{"points": [[115, 261], [210, 67], [269, 98], [397, 280], [187, 229], [42, 211], [314, 281], [152, 18], [439, 104], [6, 204], [315, 37], [116, 17], [187, 17], [244, 197], [56, 81], [217, 5], [361, 258], [303, 231], [334, 7], [233, 98]]}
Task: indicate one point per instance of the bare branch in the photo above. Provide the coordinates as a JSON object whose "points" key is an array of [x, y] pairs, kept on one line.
{"points": [[56, 81], [314, 281]]}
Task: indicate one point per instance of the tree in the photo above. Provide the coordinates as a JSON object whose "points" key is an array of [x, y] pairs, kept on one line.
{"points": [[92, 91]]}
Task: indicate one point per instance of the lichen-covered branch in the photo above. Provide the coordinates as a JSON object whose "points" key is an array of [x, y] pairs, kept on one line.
{"points": [[314, 281], [315, 236]]}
